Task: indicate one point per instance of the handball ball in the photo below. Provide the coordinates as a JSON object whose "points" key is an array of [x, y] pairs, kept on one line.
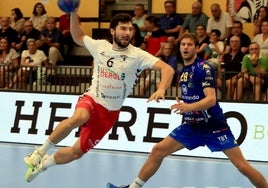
{"points": [[68, 5]]}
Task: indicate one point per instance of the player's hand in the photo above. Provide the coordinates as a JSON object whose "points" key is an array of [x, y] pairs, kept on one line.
{"points": [[160, 93], [179, 107]]}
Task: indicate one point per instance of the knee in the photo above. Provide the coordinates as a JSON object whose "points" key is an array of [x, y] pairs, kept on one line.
{"points": [[240, 81], [77, 154], [157, 151], [52, 50], [243, 167]]}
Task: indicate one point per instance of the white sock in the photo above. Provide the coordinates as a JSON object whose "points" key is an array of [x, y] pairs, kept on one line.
{"points": [[45, 147], [48, 162], [138, 183]]}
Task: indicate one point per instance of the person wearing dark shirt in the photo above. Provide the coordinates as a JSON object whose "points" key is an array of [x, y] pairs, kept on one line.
{"points": [[64, 26], [154, 36], [204, 123], [230, 67], [167, 55], [153, 40], [28, 32], [137, 40], [244, 38], [171, 22], [7, 31], [203, 38], [51, 42]]}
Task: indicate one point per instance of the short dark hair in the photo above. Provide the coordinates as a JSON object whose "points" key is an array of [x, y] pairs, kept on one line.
{"points": [[201, 25], [170, 1], [238, 22], [121, 17], [152, 19], [216, 31]]}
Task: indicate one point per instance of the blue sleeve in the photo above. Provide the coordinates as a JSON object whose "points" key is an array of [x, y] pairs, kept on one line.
{"points": [[207, 76]]}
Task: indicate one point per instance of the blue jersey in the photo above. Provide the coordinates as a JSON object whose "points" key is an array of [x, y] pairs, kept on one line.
{"points": [[192, 80]]}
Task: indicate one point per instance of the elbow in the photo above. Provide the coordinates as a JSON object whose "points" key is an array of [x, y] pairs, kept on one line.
{"points": [[171, 71], [78, 40], [213, 101]]}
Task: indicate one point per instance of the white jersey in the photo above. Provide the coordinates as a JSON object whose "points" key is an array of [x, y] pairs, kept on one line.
{"points": [[115, 71]]}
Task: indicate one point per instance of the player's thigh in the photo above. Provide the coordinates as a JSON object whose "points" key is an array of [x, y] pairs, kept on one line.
{"points": [[167, 146], [236, 156], [79, 117]]}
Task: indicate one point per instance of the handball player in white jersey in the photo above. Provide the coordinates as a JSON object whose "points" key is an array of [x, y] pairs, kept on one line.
{"points": [[116, 69]]}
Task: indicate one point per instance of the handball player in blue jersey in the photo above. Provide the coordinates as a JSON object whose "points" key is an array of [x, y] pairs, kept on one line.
{"points": [[203, 120]]}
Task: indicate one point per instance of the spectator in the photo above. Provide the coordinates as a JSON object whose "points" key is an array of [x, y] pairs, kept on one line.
{"points": [[154, 36], [7, 31], [262, 38], [215, 48], [39, 16], [197, 17], [261, 15], [29, 32], [171, 22], [139, 18], [166, 55], [51, 42], [230, 67], [254, 66], [17, 20], [203, 40], [153, 40], [220, 20], [9, 61], [244, 38], [32, 61], [137, 39], [64, 26]]}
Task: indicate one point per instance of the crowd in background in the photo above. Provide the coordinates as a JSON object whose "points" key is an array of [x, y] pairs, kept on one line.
{"points": [[241, 62], [35, 42]]}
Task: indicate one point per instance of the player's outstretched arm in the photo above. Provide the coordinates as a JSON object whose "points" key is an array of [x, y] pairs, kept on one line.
{"points": [[167, 73], [76, 29]]}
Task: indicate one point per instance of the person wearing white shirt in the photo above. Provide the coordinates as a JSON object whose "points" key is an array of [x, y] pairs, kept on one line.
{"points": [[220, 20], [262, 38]]}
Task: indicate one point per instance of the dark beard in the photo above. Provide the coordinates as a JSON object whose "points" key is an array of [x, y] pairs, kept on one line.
{"points": [[119, 43]]}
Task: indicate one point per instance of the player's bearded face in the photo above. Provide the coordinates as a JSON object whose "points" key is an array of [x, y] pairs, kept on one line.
{"points": [[122, 41]]}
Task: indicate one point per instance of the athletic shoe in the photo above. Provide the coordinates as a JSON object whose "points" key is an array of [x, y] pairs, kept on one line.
{"points": [[33, 158], [32, 173], [109, 185]]}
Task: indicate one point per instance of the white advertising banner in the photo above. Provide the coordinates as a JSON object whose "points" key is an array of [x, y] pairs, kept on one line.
{"points": [[31, 117]]}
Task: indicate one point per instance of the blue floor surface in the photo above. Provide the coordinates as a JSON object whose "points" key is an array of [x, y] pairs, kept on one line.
{"points": [[98, 167]]}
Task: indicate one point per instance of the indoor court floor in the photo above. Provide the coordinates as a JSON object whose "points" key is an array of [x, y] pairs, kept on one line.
{"points": [[98, 167]]}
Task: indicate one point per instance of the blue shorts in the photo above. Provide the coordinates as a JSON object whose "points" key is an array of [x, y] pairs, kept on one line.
{"points": [[215, 134]]}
